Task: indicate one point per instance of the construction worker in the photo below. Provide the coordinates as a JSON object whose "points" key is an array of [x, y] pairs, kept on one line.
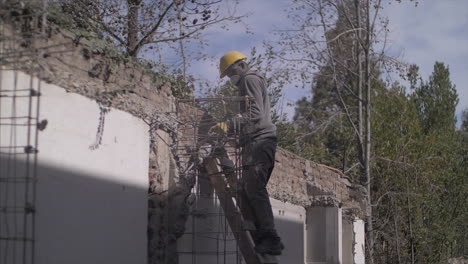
{"points": [[259, 142]]}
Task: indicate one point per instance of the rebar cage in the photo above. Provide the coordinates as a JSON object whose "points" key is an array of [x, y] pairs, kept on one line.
{"points": [[208, 237], [23, 43], [19, 126]]}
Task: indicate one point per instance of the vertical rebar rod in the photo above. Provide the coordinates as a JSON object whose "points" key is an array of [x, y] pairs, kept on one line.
{"points": [[34, 174], [27, 175], [188, 146], [12, 159]]}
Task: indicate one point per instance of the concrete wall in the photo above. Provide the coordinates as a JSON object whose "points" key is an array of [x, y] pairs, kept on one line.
{"points": [[359, 242], [348, 241], [89, 71], [205, 242], [324, 235], [330, 236], [208, 237], [98, 71], [290, 224], [306, 183], [91, 203], [353, 241]]}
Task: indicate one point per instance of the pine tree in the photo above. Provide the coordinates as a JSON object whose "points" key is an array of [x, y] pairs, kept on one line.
{"points": [[437, 100], [464, 125]]}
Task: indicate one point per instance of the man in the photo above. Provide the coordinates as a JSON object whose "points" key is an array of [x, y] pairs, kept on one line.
{"points": [[259, 142]]}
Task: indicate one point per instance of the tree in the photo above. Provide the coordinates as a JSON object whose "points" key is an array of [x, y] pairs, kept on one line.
{"points": [[464, 125], [146, 27], [395, 128], [421, 188], [437, 100], [416, 165], [332, 48], [443, 189]]}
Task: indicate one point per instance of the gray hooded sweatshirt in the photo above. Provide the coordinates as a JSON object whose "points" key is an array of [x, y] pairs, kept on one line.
{"points": [[258, 124]]}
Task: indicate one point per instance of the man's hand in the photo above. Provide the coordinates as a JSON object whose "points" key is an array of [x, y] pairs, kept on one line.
{"points": [[220, 128]]}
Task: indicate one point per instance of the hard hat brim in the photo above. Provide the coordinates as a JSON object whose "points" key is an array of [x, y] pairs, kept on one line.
{"points": [[228, 60]]}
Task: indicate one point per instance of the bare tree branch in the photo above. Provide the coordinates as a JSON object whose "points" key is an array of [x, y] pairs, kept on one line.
{"points": [[152, 31]]}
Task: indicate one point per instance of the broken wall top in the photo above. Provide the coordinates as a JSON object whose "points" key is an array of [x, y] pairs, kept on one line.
{"points": [[306, 183], [95, 71]]}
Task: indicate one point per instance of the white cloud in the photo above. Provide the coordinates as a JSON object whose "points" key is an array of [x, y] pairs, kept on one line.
{"points": [[433, 31], [264, 16]]}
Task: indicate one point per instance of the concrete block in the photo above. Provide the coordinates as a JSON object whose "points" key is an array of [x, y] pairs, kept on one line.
{"points": [[92, 179], [359, 242], [323, 235]]}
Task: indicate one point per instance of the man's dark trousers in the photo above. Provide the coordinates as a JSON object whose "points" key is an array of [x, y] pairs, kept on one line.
{"points": [[259, 161]]}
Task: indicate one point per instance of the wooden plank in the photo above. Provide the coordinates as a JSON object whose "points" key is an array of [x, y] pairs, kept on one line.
{"points": [[236, 220], [227, 167], [233, 215], [246, 210]]}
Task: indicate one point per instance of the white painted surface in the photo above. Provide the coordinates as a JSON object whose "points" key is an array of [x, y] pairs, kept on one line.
{"points": [[205, 242], [348, 240], [290, 224], [208, 238], [359, 247], [324, 235], [91, 205]]}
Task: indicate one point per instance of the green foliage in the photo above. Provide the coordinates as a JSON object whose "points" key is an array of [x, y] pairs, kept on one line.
{"points": [[464, 125], [62, 15], [419, 160], [420, 170], [437, 100], [418, 163]]}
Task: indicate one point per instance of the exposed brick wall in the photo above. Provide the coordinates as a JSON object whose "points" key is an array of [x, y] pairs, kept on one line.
{"points": [[304, 182]]}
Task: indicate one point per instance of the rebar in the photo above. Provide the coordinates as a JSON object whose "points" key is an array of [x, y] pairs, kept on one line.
{"points": [[195, 117], [23, 42]]}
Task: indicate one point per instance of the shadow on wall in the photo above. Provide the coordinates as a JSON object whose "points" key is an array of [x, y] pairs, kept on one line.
{"points": [[292, 235], [209, 239], [79, 217], [86, 218], [213, 242]]}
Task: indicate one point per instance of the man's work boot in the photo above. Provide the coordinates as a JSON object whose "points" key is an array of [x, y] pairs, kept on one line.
{"points": [[270, 244]]}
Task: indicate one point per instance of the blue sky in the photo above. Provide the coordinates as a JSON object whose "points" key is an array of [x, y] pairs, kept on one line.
{"points": [[435, 30]]}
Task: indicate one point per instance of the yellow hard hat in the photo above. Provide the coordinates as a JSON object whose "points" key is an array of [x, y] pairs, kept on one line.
{"points": [[228, 59]]}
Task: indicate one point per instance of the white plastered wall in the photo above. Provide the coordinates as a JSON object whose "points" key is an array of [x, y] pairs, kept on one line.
{"points": [[324, 235], [353, 241], [208, 244], [290, 224], [207, 237], [359, 241], [348, 240], [91, 203]]}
